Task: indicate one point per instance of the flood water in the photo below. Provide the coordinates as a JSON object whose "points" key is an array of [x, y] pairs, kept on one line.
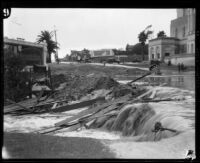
{"points": [[179, 81], [178, 115]]}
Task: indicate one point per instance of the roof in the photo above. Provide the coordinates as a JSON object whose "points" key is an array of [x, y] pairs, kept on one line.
{"points": [[22, 42], [104, 52], [164, 38]]}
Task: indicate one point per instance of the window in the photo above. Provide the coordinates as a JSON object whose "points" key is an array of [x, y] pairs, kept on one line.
{"points": [[151, 50], [184, 31], [158, 55], [167, 54], [152, 56], [157, 49]]}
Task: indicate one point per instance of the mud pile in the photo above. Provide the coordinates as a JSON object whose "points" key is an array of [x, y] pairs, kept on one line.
{"points": [[77, 86]]}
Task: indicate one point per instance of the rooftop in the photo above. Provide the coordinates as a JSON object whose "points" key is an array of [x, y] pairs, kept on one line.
{"points": [[164, 38]]}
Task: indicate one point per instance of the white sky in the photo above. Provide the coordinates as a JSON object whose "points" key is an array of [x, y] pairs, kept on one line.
{"points": [[88, 28]]}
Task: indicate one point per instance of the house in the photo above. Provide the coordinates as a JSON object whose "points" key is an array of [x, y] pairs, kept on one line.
{"points": [[100, 55], [180, 46], [74, 55], [80, 55], [32, 53]]}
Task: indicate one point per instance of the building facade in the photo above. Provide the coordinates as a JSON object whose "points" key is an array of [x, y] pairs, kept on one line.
{"points": [[32, 53], [180, 46], [80, 55], [101, 55]]}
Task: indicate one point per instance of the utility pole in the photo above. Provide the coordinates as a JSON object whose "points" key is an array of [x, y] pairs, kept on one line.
{"points": [[56, 56]]}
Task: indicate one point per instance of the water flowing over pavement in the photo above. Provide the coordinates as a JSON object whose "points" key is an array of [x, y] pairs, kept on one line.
{"points": [[176, 115], [179, 115]]}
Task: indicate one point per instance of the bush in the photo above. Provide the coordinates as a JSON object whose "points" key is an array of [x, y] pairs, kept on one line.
{"points": [[15, 80]]}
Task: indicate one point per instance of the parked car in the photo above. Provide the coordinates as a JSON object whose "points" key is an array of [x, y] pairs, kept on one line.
{"points": [[113, 60], [88, 61]]}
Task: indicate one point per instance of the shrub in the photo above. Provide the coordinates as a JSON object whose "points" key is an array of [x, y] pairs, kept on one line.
{"points": [[15, 80]]}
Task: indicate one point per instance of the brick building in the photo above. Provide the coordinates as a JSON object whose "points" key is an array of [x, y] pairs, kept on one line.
{"points": [[180, 46]]}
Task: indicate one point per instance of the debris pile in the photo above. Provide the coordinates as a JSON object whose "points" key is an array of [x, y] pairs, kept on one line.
{"points": [[76, 86], [111, 105]]}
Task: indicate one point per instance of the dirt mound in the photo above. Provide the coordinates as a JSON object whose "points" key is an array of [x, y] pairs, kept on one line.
{"points": [[77, 86], [57, 80]]}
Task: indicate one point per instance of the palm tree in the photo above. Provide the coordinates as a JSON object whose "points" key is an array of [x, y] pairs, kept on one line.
{"points": [[161, 34], [143, 36], [51, 45]]}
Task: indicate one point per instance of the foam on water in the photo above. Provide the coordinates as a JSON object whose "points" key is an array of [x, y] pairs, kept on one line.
{"points": [[171, 148], [179, 115], [91, 133], [34, 122]]}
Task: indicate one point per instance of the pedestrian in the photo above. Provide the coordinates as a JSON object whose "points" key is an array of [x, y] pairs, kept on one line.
{"points": [[182, 66], [104, 63], [179, 67], [169, 63]]}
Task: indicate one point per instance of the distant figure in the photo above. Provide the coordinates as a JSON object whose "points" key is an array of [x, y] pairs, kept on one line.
{"points": [[104, 63], [182, 66], [169, 63], [179, 67], [57, 61]]}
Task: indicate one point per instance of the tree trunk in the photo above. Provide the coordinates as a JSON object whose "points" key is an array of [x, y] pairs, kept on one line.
{"points": [[143, 52], [49, 58]]}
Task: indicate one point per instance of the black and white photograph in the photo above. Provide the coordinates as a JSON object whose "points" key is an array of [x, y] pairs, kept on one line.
{"points": [[99, 83]]}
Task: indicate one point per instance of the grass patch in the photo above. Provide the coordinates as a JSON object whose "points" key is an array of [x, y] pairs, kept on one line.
{"points": [[86, 69]]}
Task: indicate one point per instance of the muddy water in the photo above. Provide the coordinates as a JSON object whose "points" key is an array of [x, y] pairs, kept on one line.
{"points": [[179, 81], [178, 115]]}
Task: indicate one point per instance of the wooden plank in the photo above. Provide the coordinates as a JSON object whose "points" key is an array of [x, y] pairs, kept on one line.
{"points": [[92, 111], [20, 105], [157, 100], [68, 129], [45, 131], [146, 74], [27, 103], [153, 94], [54, 129], [104, 111], [77, 105]]}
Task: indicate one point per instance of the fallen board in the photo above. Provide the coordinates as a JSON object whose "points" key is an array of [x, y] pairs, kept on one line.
{"points": [[92, 110], [14, 107], [77, 105], [27, 103]]}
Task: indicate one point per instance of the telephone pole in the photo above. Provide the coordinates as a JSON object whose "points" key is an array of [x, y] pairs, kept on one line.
{"points": [[56, 56]]}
